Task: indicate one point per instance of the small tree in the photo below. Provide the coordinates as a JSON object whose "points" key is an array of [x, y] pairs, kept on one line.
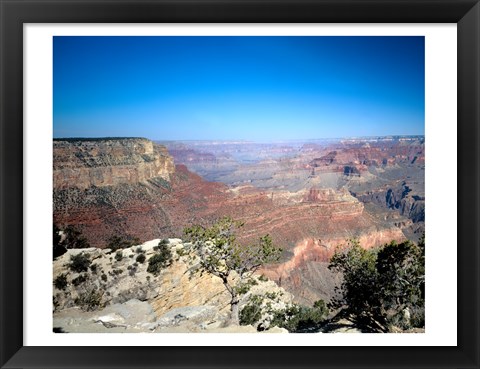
{"points": [[401, 275], [58, 248], [74, 239], [221, 255], [122, 242], [358, 292], [380, 284]]}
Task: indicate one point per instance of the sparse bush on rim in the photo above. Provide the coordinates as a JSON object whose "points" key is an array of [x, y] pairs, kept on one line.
{"points": [[79, 263], [119, 255], [122, 242], [90, 299], [61, 282], [94, 268], [160, 260], [164, 242], [79, 280], [263, 278], [141, 258]]}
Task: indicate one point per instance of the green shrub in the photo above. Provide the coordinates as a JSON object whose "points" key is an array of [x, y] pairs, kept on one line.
{"points": [[379, 284], [252, 312], [104, 277], [298, 317], [163, 242], [160, 260], [294, 318], [56, 235], [74, 239], [117, 243], [243, 288], [79, 280], [271, 295], [89, 300], [79, 263], [61, 282], [139, 250], [181, 252], [263, 278], [58, 248], [119, 255], [417, 317], [141, 258], [71, 239]]}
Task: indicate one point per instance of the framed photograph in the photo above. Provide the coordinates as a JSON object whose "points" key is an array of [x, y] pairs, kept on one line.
{"points": [[239, 184]]}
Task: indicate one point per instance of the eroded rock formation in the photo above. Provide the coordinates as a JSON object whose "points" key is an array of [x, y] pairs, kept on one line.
{"points": [[83, 163]]}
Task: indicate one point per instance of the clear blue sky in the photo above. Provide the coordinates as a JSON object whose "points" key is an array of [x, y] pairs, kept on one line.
{"points": [[249, 88]]}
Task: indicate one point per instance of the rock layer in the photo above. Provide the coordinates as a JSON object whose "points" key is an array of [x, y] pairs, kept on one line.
{"points": [[108, 162]]}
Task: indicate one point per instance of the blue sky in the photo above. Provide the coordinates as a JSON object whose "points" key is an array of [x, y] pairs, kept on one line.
{"points": [[238, 88]]}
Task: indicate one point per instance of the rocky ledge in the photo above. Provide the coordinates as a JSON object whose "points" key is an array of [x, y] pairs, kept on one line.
{"points": [[100, 290]]}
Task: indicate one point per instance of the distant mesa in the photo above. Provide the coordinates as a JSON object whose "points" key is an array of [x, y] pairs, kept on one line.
{"points": [[83, 162]]}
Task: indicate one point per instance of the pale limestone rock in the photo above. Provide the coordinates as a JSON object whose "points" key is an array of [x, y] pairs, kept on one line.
{"points": [[149, 245], [130, 316], [193, 314], [185, 300], [177, 288]]}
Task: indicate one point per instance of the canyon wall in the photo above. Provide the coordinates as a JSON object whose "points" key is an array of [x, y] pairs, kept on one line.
{"points": [[408, 198], [305, 272], [125, 187], [109, 162]]}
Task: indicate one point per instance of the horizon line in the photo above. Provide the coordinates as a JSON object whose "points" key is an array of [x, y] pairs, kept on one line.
{"points": [[83, 138]]}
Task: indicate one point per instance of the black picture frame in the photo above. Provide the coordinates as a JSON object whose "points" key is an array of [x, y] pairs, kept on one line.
{"points": [[14, 13]]}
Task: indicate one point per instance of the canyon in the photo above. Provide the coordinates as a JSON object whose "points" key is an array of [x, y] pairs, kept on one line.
{"points": [[310, 196]]}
